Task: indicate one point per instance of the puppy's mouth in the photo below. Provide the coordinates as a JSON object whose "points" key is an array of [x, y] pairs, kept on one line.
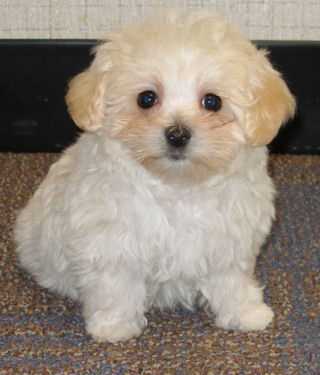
{"points": [[176, 154]]}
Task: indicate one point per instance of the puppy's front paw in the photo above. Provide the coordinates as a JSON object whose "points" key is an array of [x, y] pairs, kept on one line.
{"points": [[253, 317], [256, 317], [102, 328]]}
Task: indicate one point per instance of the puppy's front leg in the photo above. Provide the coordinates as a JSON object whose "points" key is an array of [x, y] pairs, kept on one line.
{"points": [[114, 305], [237, 301]]}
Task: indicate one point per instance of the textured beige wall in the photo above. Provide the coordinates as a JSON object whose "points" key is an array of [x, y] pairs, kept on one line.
{"points": [[259, 19]]}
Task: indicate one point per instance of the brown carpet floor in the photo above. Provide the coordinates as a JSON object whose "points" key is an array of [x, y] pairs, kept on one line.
{"points": [[42, 333]]}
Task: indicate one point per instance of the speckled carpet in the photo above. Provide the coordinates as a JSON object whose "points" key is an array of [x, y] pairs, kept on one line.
{"points": [[41, 333]]}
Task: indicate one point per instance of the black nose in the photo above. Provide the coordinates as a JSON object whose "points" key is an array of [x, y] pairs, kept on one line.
{"points": [[177, 136]]}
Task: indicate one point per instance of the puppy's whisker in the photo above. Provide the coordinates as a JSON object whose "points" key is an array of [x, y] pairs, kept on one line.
{"points": [[216, 126]]}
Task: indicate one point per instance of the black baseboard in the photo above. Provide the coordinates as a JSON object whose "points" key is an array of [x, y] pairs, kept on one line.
{"points": [[34, 75]]}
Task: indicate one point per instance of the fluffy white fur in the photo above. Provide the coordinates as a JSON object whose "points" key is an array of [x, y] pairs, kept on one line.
{"points": [[121, 226]]}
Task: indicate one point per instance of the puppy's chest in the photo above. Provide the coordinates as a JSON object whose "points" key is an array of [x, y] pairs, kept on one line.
{"points": [[203, 229], [187, 221], [189, 216]]}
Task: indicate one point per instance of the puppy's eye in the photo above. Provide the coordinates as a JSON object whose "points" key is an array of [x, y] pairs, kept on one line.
{"points": [[211, 102], [147, 99]]}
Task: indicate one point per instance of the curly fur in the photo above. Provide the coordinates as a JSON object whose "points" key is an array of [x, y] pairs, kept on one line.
{"points": [[120, 226]]}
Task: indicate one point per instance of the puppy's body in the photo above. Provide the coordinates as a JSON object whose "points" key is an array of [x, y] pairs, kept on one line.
{"points": [[125, 221], [172, 240]]}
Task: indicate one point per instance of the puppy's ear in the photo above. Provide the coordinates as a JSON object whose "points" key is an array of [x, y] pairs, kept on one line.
{"points": [[85, 99], [272, 104]]}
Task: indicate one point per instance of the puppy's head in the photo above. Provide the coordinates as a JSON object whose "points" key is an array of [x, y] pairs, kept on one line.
{"points": [[183, 93]]}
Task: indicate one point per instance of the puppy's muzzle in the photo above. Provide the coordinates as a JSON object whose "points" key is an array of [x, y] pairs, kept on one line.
{"points": [[177, 136]]}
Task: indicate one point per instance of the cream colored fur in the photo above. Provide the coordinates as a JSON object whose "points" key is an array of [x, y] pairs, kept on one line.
{"points": [[119, 225]]}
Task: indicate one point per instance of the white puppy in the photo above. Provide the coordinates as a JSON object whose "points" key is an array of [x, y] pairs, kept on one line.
{"points": [[166, 197]]}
